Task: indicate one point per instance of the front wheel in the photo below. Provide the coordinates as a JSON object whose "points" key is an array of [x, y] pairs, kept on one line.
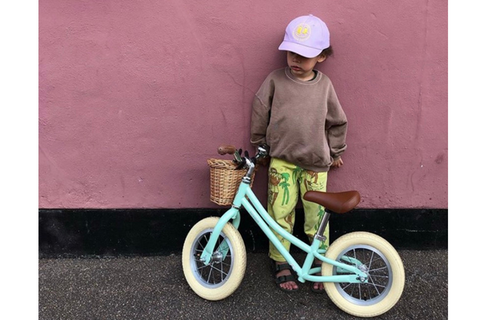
{"points": [[222, 276], [376, 257]]}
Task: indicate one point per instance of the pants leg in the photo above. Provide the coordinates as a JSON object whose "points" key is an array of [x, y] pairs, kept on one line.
{"points": [[314, 181], [282, 199]]}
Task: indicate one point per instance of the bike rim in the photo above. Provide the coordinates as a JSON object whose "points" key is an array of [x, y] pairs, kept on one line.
{"points": [[379, 272], [218, 271]]}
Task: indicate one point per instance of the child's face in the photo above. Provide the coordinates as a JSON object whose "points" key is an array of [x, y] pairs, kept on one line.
{"points": [[302, 67]]}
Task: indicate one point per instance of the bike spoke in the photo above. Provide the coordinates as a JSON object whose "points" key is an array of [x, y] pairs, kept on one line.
{"points": [[204, 238], [385, 268], [212, 273], [219, 270], [209, 275], [378, 274]]}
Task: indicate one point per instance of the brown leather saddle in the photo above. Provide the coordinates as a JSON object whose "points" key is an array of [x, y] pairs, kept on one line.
{"points": [[337, 202]]}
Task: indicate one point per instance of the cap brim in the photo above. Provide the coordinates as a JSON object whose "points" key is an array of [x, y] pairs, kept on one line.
{"points": [[299, 49]]}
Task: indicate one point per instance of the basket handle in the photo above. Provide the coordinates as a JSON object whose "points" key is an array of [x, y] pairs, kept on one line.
{"points": [[226, 148]]}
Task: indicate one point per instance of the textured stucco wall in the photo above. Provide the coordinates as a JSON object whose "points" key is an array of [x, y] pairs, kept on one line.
{"points": [[134, 96]]}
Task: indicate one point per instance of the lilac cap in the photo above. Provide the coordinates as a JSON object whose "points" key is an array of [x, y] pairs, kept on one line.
{"points": [[307, 36]]}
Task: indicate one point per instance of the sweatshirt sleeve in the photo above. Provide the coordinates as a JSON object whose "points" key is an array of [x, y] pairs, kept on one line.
{"points": [[336, 125], [261, 113]]}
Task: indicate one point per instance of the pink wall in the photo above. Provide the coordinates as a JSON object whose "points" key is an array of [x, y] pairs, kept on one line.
{"points": [[135, 96]]}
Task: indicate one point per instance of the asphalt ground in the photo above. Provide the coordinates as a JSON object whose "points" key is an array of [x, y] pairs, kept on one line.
{"points": [[126, 288]]}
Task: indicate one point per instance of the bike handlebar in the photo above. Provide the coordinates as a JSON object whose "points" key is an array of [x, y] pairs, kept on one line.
{"points": [[244, 161], [262, 152]]}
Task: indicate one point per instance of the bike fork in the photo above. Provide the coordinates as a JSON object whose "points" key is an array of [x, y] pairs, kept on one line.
{"points": [[233, 214]]}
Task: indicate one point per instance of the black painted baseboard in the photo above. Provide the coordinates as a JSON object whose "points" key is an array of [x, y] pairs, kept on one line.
{"points": [[124, 232]]}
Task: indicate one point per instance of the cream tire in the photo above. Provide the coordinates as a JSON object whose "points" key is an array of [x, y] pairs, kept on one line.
{"points": [[223, 275], [380, 261]]}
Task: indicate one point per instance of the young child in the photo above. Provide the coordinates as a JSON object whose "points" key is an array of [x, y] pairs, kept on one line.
{"points": [[296, 112]]}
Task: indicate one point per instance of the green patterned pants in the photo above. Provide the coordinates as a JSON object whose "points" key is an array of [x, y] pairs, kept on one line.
{"points": [[286, 183]]}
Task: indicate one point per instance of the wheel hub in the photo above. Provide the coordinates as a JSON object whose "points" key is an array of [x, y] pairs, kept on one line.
{"points": [[217, 257], [363, 268]]}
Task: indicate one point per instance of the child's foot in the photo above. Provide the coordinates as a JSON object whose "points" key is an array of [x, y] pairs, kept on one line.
{"points": [[317, 287], [284, 277]]}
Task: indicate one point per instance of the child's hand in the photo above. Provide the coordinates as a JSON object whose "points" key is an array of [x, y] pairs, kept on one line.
{"points": [[337, 163]]}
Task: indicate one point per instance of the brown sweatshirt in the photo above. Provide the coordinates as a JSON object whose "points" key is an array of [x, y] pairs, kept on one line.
{"points": [[302, 122]]}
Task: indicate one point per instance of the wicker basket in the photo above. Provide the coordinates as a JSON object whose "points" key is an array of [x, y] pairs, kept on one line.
{"points": [[224, 181]]}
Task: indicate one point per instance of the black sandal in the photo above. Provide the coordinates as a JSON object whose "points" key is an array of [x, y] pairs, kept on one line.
{"points": [[312, 285], [282, 279]]}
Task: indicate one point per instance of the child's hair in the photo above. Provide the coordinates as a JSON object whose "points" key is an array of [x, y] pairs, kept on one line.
{"points": [[327, 52]]}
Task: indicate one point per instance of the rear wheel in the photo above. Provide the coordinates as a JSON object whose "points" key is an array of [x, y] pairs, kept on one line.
{"points": [[222, 276], [376, 257]]}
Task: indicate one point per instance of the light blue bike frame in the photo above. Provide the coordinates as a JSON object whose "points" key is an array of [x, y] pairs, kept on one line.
{"points": [[246, 198]]}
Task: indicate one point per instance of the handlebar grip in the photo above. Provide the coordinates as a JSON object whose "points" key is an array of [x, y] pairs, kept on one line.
{"points": [[224, 149]]}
